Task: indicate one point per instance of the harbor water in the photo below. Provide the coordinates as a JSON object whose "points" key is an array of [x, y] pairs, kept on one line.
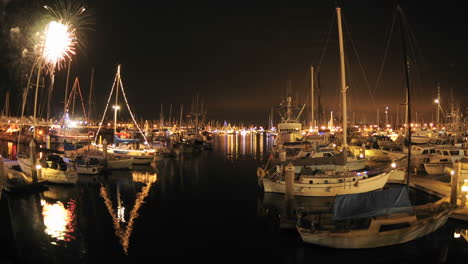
{"points": [[199, 207]]}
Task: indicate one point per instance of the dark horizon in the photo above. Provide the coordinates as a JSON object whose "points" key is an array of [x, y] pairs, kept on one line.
{"points": [[239, 60]]}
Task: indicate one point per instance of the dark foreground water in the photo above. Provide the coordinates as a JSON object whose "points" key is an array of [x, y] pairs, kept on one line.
{"points": [[199, 208]]}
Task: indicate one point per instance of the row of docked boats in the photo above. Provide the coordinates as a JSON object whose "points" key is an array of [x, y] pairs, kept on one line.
{"points": [[431, 158], [365, 211]]}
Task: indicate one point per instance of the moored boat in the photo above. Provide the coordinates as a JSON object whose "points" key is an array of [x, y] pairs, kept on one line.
{"points": [[53, 169]]}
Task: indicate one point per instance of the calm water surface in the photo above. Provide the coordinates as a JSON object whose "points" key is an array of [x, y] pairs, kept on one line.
{"points": [[200, 207]]}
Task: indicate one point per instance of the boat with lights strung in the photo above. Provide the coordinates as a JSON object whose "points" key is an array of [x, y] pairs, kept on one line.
{"points": [[123, 147]]}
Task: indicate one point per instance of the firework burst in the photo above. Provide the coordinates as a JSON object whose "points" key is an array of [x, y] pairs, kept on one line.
{"points": [[58, 43], [65, 33]]}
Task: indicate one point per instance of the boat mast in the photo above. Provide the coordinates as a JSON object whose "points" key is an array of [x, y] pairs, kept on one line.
{"points": [[408, 95], [343, 77], [116, 106], [91, 84], [66, 91], [312, 97], [288, 102]]}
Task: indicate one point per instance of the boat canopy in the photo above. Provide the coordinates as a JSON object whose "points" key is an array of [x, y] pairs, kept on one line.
{"points": [[372, 203], [118, 140]]}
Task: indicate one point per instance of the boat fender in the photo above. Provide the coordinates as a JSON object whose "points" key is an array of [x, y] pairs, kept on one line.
{"points": [[260, 172], [356, 183]]}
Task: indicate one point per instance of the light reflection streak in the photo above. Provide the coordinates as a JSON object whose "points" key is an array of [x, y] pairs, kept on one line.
{"points": [[461, 233], [59, 220], [238, 146], [121, 231]]}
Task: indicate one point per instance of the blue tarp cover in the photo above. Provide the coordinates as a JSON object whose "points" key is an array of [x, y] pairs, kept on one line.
{"points": [[371, 203], [118, 140]]}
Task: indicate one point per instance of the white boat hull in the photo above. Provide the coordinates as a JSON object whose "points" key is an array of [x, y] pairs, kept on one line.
{"points": [[332, 188], [139, 157], [92, 170], [70, 176], [437, 168], [373, 237], [420, 139], [115, 164]]}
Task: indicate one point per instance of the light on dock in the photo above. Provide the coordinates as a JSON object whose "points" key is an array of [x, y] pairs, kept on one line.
{"points": [[464, 188]]}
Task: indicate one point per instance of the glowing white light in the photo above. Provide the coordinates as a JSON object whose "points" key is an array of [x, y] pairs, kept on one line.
{"points": [[59, 43], [57, 220], [464, 187], [393, 165], [38, 166]]}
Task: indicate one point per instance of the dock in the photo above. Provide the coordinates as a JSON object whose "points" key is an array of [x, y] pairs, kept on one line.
{"points": [[442, 190]]}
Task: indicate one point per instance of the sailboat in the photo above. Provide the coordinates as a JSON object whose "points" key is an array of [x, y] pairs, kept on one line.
{"points": [[125, 147], [375, 219], [317, 176]]}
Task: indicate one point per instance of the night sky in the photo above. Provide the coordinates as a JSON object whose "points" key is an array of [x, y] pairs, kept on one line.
{"points": [[239, 59]]}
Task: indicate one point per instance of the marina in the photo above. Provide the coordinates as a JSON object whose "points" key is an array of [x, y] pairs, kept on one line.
{"points": [[203, 137], [157, 203]]}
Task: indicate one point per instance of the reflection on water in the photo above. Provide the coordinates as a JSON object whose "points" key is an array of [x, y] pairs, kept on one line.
{"points": [[461, 234], [244, 146], [124, 231], [59, 219], [211, 195]]}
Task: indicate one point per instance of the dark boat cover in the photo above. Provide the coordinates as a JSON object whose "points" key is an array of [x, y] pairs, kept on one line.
{"points": [[373, 203]]}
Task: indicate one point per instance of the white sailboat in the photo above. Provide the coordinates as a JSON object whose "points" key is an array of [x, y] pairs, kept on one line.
{"points": [[125, 147], [375, 219], [317, 176]]}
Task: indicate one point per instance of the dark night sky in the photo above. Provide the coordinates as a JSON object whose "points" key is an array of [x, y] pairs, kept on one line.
{"points": [[240, 59]]}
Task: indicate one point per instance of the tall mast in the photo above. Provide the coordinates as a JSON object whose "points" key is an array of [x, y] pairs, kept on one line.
{"points": [[116, 106], [288, 102], [66, 90], [343, 77], [90, 94], [180, 119], [312, 97], [161, 116], [408, 95]]}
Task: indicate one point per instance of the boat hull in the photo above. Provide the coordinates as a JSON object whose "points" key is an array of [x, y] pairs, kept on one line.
{"points": [[372, 237], [348, 186], [437, 168], [70, 176], [115, 164]]}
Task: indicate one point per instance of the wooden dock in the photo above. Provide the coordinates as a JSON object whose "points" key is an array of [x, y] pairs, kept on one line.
{"points": [[442, 190]]}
